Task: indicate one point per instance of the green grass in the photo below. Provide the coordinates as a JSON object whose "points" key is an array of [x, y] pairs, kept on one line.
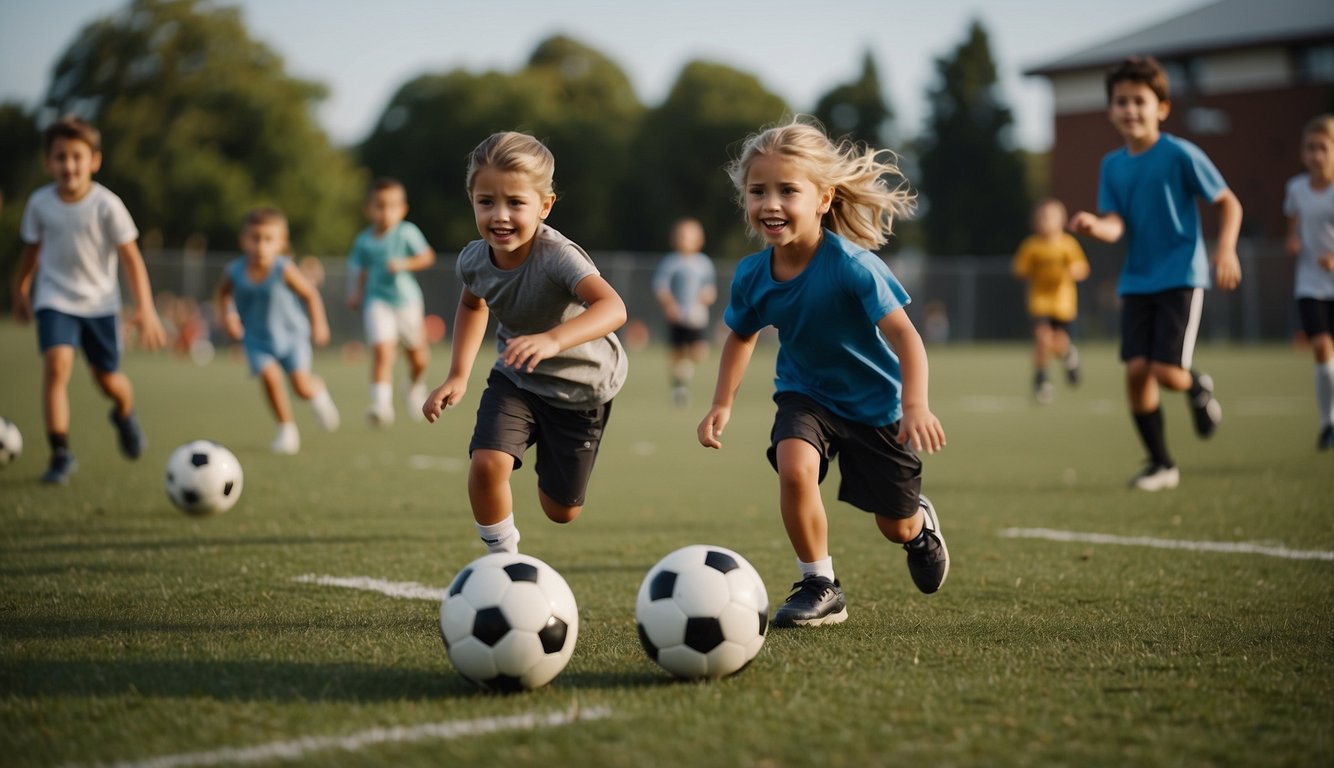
{"points": [[129, 631]]}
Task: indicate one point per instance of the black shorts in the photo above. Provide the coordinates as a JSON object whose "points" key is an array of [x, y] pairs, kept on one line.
{"points": [[1051, 322], [1317, 316], [683, 336], [1162, 326], [510, 420], [879, 475]]}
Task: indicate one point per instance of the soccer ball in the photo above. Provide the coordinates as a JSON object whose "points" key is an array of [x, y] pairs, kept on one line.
{"points": [[11, 442], [702, 611], [509, 622], [203, 477]]}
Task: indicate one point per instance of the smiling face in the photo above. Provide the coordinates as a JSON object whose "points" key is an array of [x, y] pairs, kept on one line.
{"points": [[72, 163], [508, 207], [1137, 113], [783, 203]]}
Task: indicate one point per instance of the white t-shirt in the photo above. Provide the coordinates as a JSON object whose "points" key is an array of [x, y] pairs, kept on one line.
{"points": [[1315, 226], [77, 263]]}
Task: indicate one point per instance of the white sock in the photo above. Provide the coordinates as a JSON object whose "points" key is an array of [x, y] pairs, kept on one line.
{"points": [[824, 567], [1324, 391], [382, 394], [500, 537]]}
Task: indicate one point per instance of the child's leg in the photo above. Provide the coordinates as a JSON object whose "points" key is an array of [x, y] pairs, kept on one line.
{"points": [[382, 371], [271, 379], [116, 385], [418, 358], [1322, 346], [556, 511], [804, 516], [489, 489], [57, 366], [1042, 344], [311, 388]]}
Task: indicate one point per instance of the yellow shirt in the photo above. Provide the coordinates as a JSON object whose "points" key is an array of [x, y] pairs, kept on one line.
{"points": [[1046, 265]]}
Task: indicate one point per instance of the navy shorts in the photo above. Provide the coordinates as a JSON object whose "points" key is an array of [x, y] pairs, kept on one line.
{"points": [[510, 420], [98, 337], [1317, 316], [1162, 326], [879, 474]]}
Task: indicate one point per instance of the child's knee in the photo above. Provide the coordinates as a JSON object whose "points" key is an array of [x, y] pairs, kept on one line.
{"points": [[491, 466], [898, 530], [556, 511]]}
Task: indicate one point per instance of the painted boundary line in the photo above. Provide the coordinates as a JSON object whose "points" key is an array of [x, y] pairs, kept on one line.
{"points": [[407, 590], [296, 749], [1244, 548]]}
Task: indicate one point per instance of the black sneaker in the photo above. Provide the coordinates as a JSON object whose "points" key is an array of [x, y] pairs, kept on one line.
{"points": [[1204, 405], [1072, 365], [130, 434], [928, 559], [61, 467], [1326, 439], [816, 601]]}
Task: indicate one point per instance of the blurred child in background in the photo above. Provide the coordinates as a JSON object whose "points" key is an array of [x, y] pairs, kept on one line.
{"points": [[684, 285], [1051, 261]]}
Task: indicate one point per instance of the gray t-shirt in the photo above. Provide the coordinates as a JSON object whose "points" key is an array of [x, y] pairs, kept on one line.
{"points": [[535, 297]]}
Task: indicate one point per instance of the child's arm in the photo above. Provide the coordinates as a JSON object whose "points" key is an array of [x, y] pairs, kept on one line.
{"points": [[358, 291], [605, 313], [1108, 227], [669, 308], [469, 330], [145, 316], [231, 321], [23, 276], [1227, 267], [1293, 243], [737, 351], [423, 259], [319, 322], [919, 426]]}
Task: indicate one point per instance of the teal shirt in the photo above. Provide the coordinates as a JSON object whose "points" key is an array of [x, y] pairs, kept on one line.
{"points": [[372, 254]]}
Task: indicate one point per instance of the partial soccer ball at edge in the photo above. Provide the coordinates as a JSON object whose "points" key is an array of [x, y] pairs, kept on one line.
{"points": [[509, 622], [702, 611], [11, 442], [203, 478]]}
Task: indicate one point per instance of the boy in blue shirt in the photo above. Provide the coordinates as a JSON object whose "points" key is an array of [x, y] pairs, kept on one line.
{"points": [[1147, 192]]}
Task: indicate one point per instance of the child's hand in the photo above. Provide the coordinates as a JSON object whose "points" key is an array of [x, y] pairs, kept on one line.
{"points": [[232, 323], [525, 352], [444, 396], [354, 302], [1292, 245], [1082, 223], [1327, 262], [1227, 270], [711, 428], [922, 429], [319, 334], [22, 307], [151, 335]]}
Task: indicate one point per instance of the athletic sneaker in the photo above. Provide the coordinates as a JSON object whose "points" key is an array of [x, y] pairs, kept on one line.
{"points": [[414, 399], [1042, 393], [326, 413], [1156, 477], [380, 415], [61, 467], [1204, 405], [130, 435], [288, 440], [680, 396], [1072, 365], [1326, 440], [815, 601], [928, 558]]}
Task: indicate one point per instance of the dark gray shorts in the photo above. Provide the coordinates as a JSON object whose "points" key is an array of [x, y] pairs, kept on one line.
{"points": [[510, 420], [1162, 326], [879, 475]]}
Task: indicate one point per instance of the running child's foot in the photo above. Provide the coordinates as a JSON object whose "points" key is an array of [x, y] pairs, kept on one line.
{"points": [[1326, 439], [680, 396], [1156, 477], [414, 399], [928, 558], [1203, 405], [288, 440], [381, 415], [130, 435], [62, 465], [1072, 365], [1042, 391], [815, 601], [326, 413]]}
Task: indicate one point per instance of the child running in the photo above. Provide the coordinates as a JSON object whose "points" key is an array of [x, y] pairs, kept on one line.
{"points": [[1309, 206], [74, 232], [259, 298], [559, 363], [1051, 261], [851, 370], [684, 286], [384, 257]]}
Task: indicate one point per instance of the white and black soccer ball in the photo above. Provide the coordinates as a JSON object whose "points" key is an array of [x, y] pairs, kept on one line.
{"points": [[509, 622], [11, 442], [702, 611], [203, 478]]}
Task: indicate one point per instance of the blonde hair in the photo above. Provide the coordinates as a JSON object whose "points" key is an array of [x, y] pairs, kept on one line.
{"points": [[1322, 125], [865, 203], [515, 152]]}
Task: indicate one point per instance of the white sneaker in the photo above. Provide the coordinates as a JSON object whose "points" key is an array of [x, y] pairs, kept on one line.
{"points": [[415, 399], [326, 413], [380, 415], [1155, 477], [288, 440]]}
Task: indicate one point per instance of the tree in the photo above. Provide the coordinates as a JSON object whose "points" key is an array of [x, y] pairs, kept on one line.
{"points": [[974, 184], [199, 123], [858, 109]]}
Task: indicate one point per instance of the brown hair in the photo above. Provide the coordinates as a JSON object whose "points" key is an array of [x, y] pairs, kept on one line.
{"points": [[265, 214], [385, 182], [1322, 125], [72, 128], [1140, 69]]}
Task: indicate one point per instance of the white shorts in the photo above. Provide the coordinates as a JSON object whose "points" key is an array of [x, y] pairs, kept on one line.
{"points": [[388, 323]]}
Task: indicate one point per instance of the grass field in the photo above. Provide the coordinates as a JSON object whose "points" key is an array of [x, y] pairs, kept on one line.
{"points": [[132, 633]]}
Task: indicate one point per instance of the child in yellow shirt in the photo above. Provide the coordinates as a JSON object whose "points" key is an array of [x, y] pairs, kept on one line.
{"points": [[1052, 261]]}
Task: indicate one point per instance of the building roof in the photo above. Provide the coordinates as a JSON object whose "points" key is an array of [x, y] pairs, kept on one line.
{"points": [[1217, 26]]}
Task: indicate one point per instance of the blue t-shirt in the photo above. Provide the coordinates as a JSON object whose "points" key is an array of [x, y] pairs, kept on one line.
{"points": [[372, 253], [1155, 193], [274, 318], [830, 348]]}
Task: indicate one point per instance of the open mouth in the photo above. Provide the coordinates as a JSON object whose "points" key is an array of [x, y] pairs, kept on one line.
{"points": [[773, 225], [502, 232]]}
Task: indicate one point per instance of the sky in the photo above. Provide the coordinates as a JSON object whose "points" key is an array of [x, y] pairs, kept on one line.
{"points": [[364, 50]]}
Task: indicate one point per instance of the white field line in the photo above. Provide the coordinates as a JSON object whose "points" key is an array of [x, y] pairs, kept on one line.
{"points": [[295, 749], [407, 590], [1244, 548]]}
